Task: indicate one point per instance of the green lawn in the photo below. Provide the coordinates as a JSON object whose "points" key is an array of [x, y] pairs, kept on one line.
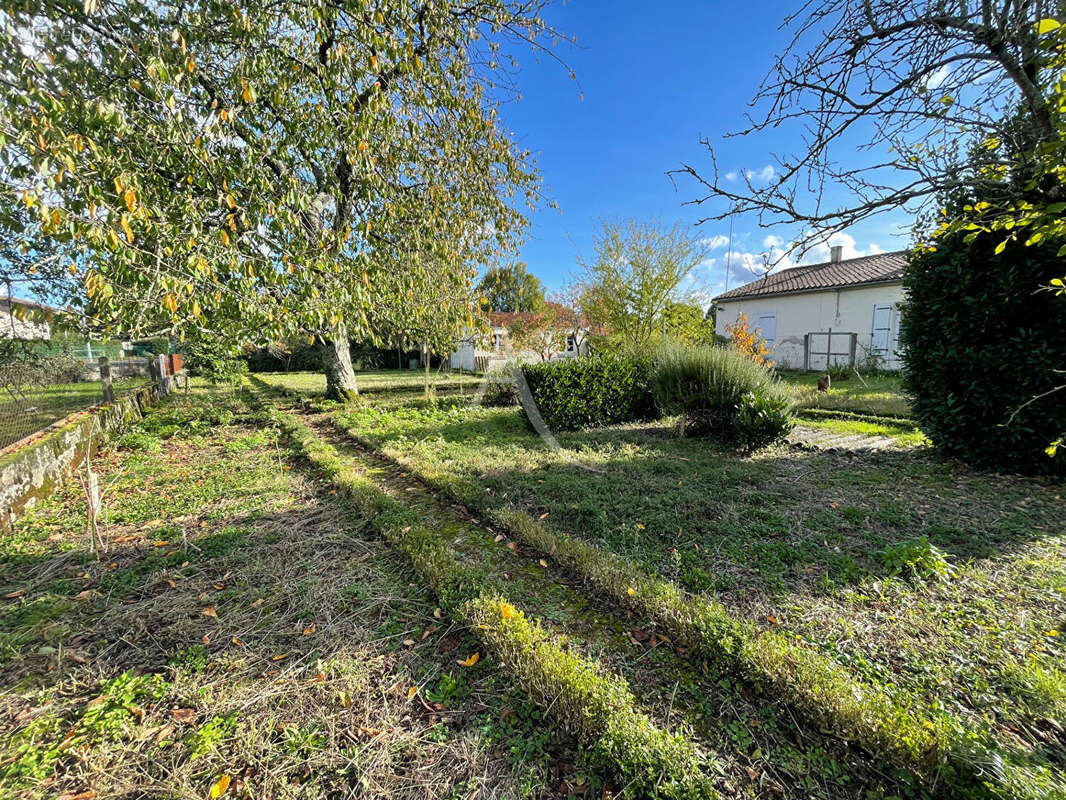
{"points": [[880, 395], [917, 575], [374, 380], [44, 405], [242, 622]]}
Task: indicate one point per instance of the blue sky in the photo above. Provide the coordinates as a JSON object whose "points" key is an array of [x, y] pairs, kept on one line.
{"points": [[651, 80]]}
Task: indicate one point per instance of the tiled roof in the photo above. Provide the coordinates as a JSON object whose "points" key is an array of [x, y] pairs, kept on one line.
{"points": [[880, 268]]}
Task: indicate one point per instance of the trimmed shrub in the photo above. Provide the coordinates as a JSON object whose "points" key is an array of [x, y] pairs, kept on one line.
{"points": [[723, 394], [981, 338], [587, 392]]}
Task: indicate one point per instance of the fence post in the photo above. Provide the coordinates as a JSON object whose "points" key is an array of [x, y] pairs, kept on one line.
{"points": [[806, 352], [854, 337], [105, 380]]}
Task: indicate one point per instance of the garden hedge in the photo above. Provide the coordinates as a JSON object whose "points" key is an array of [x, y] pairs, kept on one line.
{"points": [[587, 392], [982, 336]]}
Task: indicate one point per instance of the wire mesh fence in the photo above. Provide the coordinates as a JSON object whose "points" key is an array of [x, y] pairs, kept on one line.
{"points": [[40, 385]]}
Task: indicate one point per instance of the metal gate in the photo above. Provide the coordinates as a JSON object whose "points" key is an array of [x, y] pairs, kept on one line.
{"points": [[825, 349]]}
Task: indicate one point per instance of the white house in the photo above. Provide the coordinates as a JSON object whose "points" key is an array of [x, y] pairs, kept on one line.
{"points": [[24, 319], [838, 312], [473, 351]]}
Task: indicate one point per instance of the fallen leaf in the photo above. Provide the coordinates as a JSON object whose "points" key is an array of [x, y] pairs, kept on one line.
{"points": [[185, 715], [310, 629], [85, 594], [258, 603], [209, 611], [499, 537], [171, 584], [437, 613], [237, 642], [88, 794], [345, 699], [220, 787], [543, 563], [279, 657], [163, 733], [14, 594], [205, 639], [470, 660], [161, 543], [370, 731], [506, 713], [513, 545], [408, 642], [412, 692]]}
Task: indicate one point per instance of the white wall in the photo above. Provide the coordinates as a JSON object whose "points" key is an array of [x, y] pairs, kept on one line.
{"points": [[845, 310]]}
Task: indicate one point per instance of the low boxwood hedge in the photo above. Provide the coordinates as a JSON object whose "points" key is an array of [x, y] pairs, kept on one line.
{"points": [[587, 392]]}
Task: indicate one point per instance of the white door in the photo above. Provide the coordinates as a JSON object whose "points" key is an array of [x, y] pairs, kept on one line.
{"points": [[881, 330], [766, 325]]}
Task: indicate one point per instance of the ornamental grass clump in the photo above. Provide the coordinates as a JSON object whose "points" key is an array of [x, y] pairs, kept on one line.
{"points": [[719, 393]]}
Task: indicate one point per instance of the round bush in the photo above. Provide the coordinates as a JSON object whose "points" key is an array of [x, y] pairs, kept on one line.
{"points": [[982, 337], [595, 390], [718, 392]]}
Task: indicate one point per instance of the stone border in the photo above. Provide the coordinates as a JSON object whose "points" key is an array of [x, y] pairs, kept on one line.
{"points": [[33, 471]]}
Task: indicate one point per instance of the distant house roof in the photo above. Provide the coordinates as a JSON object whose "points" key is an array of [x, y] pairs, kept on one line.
{"points": [[504, 319], [880, 268]]}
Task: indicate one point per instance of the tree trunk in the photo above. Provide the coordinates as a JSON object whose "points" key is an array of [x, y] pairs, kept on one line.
{"points": [[425, 352], [337, 364]]}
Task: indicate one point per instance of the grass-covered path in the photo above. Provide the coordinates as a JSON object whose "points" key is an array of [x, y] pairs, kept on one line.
{"points": [[750, 747]]}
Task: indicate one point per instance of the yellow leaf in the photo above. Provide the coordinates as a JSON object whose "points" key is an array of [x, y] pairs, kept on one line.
{"points": [[225, 238], [507, 610], [412, 692], [470, 660], [345, 700], [1047, 26], [210, 612], [310, 629], [131, 199], [246, 94], [220, 787], [190, 65], [125, 223]]}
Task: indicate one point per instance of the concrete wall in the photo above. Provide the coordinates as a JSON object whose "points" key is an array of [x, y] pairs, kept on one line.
{"points": [[33, 471], [845, 310]]}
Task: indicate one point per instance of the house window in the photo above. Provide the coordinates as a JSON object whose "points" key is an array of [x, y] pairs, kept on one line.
{"points": [[571, 343]]}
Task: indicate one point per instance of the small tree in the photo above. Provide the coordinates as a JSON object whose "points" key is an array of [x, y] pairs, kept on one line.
{"points": [[543, 331], [747, 341], [639, 269]]}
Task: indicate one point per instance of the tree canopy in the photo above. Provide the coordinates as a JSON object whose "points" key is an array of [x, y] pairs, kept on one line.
{"points": [[258, 168], [511, 288], [638, 273]]}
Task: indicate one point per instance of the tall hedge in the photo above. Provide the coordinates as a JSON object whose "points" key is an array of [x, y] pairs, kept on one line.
{"points": [[981, 337], [598, 390]]}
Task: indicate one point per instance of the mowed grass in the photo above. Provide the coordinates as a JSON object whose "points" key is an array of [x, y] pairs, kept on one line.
{"points": [[314, 383], [880, 395], [916, 574], [241, 627], [40, 406]]}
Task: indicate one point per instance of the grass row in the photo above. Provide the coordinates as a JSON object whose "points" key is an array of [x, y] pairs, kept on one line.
{"points": [[598, 708], [933, 744]]}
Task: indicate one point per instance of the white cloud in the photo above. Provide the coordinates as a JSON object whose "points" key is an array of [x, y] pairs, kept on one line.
{"points": [[935, 79], [764, 175], [731, 176], [715, 242], [744, 266]]}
